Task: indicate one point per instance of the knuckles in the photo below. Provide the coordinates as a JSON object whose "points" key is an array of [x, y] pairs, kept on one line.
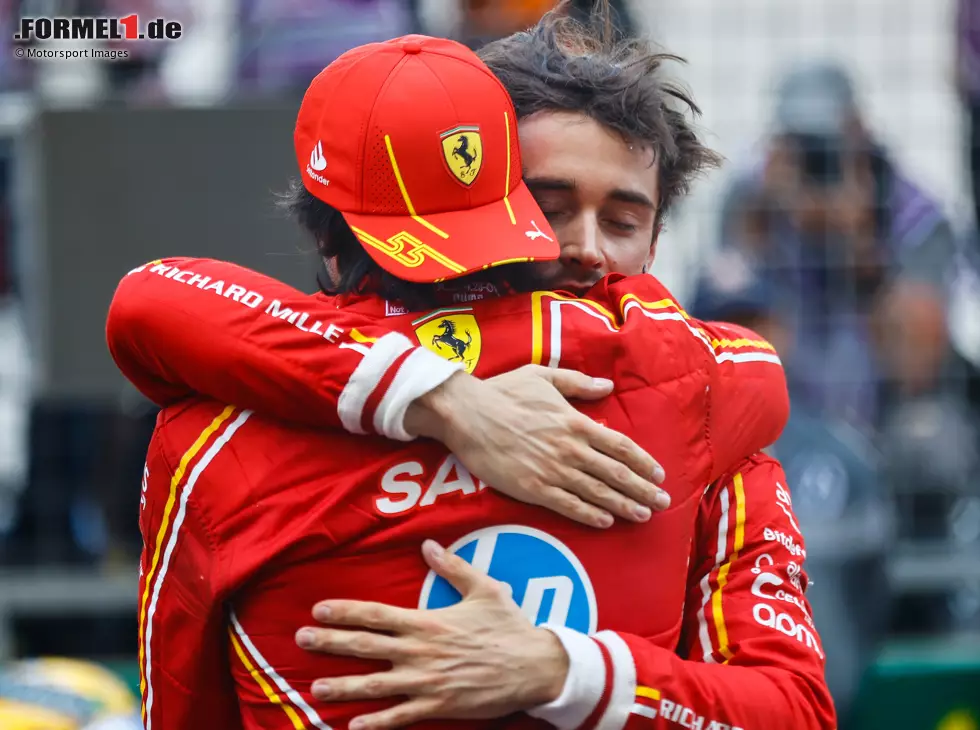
{"points": [[531, 485], [427, 627], [320, 639], [363, 643], [593, 488], [500, 591], [580, 426], [373, 616], [374, 688], [623, 449], [570, 452], [622, 475]]}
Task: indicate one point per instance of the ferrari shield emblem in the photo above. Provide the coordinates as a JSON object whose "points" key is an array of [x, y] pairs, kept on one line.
{"points": [[452, 334], [462, 149]]}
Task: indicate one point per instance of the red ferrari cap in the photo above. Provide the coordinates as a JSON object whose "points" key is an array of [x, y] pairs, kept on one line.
{"points": [[414, 140]]}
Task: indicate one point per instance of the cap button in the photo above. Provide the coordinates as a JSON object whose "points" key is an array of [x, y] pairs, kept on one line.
{"points": [[412, 47]]}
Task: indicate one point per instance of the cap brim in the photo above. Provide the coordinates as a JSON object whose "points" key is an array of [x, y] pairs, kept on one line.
{"points": [[443, 246]]}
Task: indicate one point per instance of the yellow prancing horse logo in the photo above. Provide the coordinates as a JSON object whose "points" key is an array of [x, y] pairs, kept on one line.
{"points": [[462, 147], [452, 333]]}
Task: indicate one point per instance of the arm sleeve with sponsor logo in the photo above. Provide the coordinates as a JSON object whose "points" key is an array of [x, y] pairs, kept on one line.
{"points": [[181, 326], [750, 657]]}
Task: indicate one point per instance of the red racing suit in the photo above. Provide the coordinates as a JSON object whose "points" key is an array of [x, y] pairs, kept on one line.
{"points": [[183, 326], [248, 522]]}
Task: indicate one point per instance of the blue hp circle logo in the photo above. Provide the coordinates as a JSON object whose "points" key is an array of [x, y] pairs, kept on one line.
{"points": [[547, 580]]}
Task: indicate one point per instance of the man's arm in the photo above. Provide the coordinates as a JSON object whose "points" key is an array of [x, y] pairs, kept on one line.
{"points": [[749, 399], [184, 326], [750, 656], [181, 326], [746, 401], [184, 674]]}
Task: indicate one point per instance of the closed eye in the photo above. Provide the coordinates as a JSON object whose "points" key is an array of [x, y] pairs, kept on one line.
{"points": [[624, 227]]}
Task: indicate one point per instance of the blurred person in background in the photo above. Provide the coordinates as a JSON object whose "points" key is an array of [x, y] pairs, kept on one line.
{"points": [[965, 287], [832, 474], [137, 77], [868, 277], [484, 21], [967, 81], [856, 254], [285, 43]]}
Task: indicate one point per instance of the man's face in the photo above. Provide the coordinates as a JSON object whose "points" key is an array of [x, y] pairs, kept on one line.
{"points": [[599, 194], [826, 184]]}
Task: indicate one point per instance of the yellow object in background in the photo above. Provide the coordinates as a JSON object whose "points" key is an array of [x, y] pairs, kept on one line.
{"points": [[60, 694], [959, 720], [20, 716]]}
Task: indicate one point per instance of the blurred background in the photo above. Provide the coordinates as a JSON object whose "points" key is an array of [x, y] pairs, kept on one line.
{"points": [[842, 227]]}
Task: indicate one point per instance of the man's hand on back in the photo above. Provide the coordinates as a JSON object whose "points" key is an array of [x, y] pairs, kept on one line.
{"points": [[478, 659], [517, 433]]}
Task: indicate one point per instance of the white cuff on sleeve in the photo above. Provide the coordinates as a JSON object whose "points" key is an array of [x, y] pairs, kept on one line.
{"points": [[366, 376], [623, 690], [584, 684], [421, 372]]}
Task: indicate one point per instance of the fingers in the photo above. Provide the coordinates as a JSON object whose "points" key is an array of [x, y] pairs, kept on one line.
{"points": [[606, 482], [624, 450], [401, 715], [362, 644], [372, 686], [370, 615], [461, 575], [573, 384], [597, 494], [574, 508], [614, 487]]}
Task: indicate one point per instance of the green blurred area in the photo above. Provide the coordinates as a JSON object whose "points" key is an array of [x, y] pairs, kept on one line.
{"points": [[922, 685]]}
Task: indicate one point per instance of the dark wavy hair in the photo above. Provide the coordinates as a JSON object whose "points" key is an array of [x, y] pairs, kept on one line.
{"points": [[563, 64], [560, 64]]}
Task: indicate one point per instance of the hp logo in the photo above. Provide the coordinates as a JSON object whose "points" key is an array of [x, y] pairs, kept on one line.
{"points": [[547, 580]]}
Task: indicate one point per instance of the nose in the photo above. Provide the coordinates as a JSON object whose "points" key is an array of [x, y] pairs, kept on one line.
{"points": [[581, 243]]}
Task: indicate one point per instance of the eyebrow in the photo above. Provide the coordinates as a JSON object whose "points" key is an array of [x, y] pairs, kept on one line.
{"points": [[563, 185]]}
